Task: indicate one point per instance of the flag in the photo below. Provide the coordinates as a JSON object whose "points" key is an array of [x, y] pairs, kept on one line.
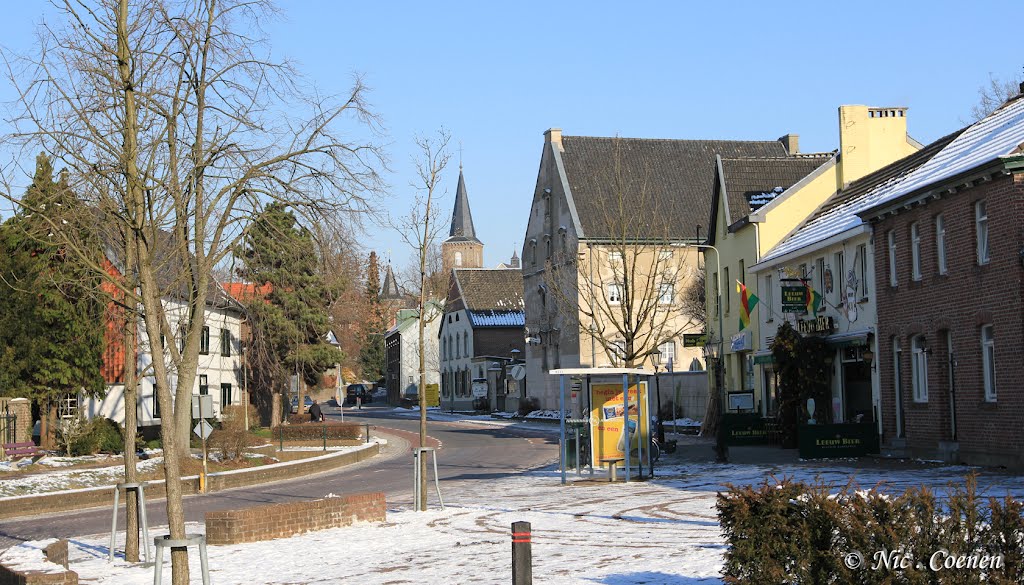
{"points": [[812, 298], [748, 301]]}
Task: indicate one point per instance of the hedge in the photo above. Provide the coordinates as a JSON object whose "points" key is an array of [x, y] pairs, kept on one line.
{"points": [[793, 532], [312, 431]]}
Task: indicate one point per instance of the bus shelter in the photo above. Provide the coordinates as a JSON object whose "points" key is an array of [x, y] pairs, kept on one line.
{"points": [[616, 407]]}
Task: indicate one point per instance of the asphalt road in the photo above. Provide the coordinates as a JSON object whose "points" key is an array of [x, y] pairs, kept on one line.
{"points": [[467, 452]]}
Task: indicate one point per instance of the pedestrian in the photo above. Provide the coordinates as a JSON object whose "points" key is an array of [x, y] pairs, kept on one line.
{"points": [[315, 414]]}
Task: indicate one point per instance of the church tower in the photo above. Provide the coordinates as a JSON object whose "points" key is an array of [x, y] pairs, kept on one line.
{"points": [[461, 249]]}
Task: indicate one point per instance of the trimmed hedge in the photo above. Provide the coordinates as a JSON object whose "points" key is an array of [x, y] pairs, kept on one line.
{"points": [[792, 532], [312, 431]]}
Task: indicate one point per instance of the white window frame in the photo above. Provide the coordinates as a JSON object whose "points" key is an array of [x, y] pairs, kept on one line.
{"points": [[919, 368], [618, 350], [891, 238], [915, 251], [666, 352], [940, 243], [716, 296], [728, 288], [862, 253], [614, 293], [981, 231], [614, 258], [988, 360], [768, 299], [458, 258], [665, 255], [839, 278], [819, 265], [666, 293]]}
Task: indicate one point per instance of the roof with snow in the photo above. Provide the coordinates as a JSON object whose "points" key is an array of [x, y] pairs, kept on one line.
{"points": [[839, 213], [492, 297], [497, 318]]}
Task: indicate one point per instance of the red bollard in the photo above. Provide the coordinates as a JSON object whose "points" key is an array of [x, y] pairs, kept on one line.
{"points": [[522, 554]]}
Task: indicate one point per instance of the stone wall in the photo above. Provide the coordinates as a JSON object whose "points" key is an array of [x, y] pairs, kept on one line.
{"points": [[57, 553], [282, 520]]}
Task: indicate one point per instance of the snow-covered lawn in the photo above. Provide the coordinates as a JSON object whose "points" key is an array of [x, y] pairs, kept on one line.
{"points": [[657, 532]]}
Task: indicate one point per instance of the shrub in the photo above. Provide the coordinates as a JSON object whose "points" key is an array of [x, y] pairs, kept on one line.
{"points": [[230, 443], [108, 435], [233, 417], [790, 532], [78, 436], [312, 432], [528, 405]]}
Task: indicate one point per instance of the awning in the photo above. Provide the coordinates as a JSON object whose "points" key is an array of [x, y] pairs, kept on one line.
{"points": [[849, 338]]}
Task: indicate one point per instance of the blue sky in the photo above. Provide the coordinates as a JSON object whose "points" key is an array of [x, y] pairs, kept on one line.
{"points": [[498, 75]]}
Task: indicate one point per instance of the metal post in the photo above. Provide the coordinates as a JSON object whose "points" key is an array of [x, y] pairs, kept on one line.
{"points": [[625, 423], [561, 425], [324, 426], [367, 432], [280, 434], [579, 464], [202, 419], [522, 554]]}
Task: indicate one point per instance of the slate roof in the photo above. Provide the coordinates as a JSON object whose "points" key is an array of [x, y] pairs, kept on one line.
{"points": [[758, 179], [462, 219], [839, 213], [678, 176], [389, 291], [492, 297]]}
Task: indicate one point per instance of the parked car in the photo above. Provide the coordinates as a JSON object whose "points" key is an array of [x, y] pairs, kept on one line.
{"points": [[355, 391], [295, 404]]}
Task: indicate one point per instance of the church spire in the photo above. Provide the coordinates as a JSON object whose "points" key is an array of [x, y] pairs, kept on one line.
{"points": [[462, 219], [390, 289]]}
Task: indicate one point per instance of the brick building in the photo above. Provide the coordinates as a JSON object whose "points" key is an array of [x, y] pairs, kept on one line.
{"points": [[948, 253]]}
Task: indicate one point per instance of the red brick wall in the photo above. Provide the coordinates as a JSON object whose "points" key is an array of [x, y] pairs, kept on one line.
{"points": [[55, 553], [281, 520], [957, 304]]}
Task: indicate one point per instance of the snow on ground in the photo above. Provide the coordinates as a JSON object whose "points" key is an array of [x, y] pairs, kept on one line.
{"points": [[663, 531]]}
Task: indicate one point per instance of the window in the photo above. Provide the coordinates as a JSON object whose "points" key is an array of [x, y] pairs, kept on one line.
{"points": [[444, 348], [156, 403], [728, 288], [897, 383], [618, 350], [919, 369], [892, 259], [940, 242], [666, 293], [614, 258], [743, 274], [614, 293], [457, 354], [225, 395], [915, 251], [839, 278], [204, 387], [819, 267], [225, 342], [458, 258], [988, 360], [204, 342], [716, 296], [768, 301], [862, 265], [981, 230], [665, 256], [465, 344], [667, 353]]}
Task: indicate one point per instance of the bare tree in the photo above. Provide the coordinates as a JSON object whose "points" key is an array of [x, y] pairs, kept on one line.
{"points": [[175, 120], [624, 288], [995, 94], [420, 229]]}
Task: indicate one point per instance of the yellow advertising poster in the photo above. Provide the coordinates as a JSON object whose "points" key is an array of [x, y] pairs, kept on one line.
{"points": [[433, 395], [606, 420]]}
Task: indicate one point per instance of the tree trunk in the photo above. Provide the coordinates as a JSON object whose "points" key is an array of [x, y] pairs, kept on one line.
{"points": [[131, 400], [275, 409]]}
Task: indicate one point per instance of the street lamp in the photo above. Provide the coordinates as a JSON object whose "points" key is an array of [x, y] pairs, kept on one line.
{"points": [[721, 449], [657, 390]]}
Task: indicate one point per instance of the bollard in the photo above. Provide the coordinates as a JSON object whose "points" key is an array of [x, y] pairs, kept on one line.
{"points": [[324, 425], [367, 433], [280, 434], [522, 555]]}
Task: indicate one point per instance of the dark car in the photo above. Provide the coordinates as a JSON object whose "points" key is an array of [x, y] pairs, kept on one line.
{"points": [[295, 404], [360, 391]]}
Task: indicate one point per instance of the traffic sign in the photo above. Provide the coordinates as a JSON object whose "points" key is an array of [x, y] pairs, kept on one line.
{"points": [[203, 430]]}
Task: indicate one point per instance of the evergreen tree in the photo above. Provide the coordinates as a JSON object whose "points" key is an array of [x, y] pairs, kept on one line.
{"points": [[290, 323], [372, 358], [52, 312]]}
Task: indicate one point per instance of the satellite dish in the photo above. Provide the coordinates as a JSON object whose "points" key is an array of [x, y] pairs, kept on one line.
{"points": [[518, 372]]}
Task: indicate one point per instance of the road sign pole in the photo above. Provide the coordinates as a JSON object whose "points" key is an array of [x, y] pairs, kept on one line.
{"points": [[202, 478]]}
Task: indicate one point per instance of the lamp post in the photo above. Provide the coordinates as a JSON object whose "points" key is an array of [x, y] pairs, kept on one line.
{"points": [[657, 391], [721, 449]]}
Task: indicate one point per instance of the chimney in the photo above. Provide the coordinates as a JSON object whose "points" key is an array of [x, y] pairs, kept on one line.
{"points": [[1022, 88], [554, 136], [791, 142]]}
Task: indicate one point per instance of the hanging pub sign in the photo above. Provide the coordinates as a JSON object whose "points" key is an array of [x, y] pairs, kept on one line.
{"points": [[794, 296], [815, 326], [695, 339]]}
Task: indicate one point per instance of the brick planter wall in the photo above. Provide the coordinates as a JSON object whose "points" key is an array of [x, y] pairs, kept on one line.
{"points": [[55, 553], [282, 520]]}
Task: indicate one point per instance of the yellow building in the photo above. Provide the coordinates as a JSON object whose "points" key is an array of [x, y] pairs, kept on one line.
{"points": [[760, 201]]}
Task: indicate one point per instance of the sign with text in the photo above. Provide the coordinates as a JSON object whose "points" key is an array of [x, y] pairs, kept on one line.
{"points": [[607, 418], [794, 296], [433, 395], [837, 440], [813, 326], [695, 339]]}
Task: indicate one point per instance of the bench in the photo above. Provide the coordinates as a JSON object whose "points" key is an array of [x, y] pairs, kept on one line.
{"points": [[612, 463], [19, 450]]}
